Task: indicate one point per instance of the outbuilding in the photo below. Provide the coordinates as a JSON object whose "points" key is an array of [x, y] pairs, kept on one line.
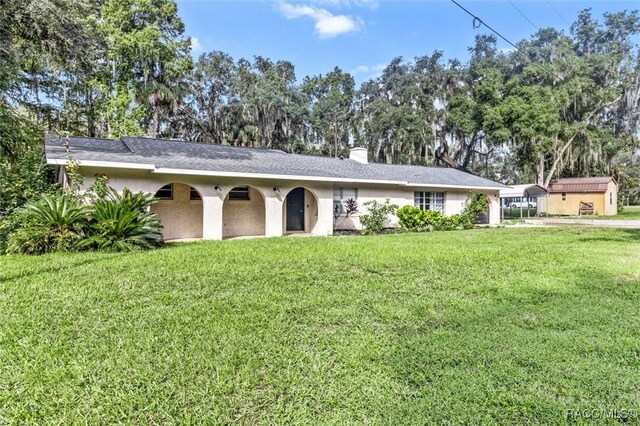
{"points": [[582, 196]]}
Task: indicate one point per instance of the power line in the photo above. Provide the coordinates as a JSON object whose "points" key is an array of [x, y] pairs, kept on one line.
{"points": [[557, 12], [477, 22], [523, 15]]}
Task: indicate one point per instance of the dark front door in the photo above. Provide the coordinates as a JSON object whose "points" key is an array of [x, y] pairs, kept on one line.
{"points": [[295, 210]]}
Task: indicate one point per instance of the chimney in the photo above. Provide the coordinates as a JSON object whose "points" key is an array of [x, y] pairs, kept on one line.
{"points": [[359, 154]]}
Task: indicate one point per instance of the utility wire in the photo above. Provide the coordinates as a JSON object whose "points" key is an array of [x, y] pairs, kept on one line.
{"points": [[478, 22], [557, 12], [523, 15]]}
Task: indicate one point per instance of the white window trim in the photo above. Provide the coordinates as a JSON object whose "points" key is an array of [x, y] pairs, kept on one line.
{"points": [[342, 200], [432, 200]]}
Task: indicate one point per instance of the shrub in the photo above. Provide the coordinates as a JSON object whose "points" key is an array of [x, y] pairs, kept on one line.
{"points": [[411, 218], [350, 207], [121, 222], [120, 225], [433, 219], [476, 203], [52, 223], [377, 215], [23, 180], [60, 222]]}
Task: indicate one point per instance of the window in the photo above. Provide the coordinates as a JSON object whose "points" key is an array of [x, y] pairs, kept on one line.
{"points": [[341, 196], [611, 198], [429, 200], [194, 195], [564, 196], [165, 193], [239, 193]]}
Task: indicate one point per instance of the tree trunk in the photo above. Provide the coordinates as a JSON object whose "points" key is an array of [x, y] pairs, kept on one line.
{"points": [[566, 146], [153, 129], [540, 170]]}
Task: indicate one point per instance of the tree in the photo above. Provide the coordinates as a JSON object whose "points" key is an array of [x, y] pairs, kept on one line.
{"points": [[331, 98]]}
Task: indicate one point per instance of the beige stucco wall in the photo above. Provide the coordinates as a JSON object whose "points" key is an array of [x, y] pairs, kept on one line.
{"points": [[220, 219], [454, 202], [319, 206], [181, 217], [244, 217]]}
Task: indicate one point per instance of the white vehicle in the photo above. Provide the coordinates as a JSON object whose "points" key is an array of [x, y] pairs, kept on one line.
{"points": [[522, 204]]}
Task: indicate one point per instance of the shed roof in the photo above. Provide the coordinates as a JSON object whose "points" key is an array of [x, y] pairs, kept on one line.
{"points": [[583, 184], [163, 156]]}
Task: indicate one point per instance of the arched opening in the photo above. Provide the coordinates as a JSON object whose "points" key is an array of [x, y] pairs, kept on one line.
{"points": [[243, 212], [300, 213], [180, 210]]}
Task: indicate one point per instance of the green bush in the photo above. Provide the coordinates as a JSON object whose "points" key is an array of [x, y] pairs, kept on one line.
{"points": [[476, 204], [52, 223], [23, 180], [433, 219], [414, 219], [411, 218], [65, 222], [117, 225], [377, 214]]}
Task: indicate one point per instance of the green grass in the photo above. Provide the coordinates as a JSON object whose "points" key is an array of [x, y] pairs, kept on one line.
{"points": [[628, 213], [486, 326]]}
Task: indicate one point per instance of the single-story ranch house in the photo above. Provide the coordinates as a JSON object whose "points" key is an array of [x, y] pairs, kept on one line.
{"points": [[217, 191]]}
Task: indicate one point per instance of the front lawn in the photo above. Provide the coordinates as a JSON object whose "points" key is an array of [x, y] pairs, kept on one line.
{"points": [[628, 213], [484, 326]]}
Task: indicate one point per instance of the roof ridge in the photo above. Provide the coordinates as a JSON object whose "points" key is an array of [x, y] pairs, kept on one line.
{"points": [[279, 151]]}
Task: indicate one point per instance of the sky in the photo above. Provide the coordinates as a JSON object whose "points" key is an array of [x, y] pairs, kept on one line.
{"points": [[362, 36]]}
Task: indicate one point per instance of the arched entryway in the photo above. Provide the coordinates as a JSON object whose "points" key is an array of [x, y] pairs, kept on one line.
{"points": [[180, 210], [243, 212], [300, 213]]}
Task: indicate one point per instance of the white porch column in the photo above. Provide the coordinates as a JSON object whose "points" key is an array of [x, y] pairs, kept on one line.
{"points": [[324, 226], [494, 209], [273, 222], [212, 218]]}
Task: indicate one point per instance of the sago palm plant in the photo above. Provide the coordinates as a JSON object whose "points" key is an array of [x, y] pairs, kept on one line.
{"points": [[55, 222], [122, 224]]}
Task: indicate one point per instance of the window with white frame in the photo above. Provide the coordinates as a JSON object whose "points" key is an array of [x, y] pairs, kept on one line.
{"points": [[429, 200], [341, 196]]}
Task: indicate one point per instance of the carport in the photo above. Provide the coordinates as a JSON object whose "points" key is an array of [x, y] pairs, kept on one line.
{"points": [[518, 199]]}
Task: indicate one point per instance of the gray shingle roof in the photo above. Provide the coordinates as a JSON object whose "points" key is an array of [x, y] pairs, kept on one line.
{"points": [[173, 154]]}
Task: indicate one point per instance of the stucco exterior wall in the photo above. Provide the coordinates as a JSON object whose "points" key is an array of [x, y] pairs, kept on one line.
{"points": [[310, 211], [214, 190], [244, 217], [267, 215], [181, 217], [454, 202]]}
